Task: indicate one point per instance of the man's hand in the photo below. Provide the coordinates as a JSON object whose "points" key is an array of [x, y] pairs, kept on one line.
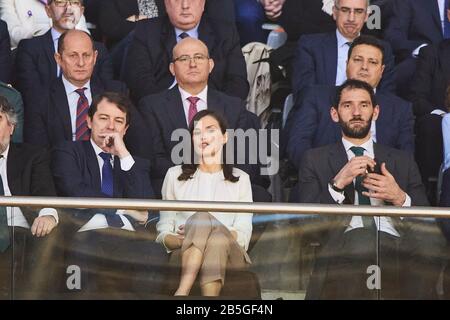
{"points": [[384, 187], [113, 144], [140, 216], [273, 8], [357, 166], [43, 225]]}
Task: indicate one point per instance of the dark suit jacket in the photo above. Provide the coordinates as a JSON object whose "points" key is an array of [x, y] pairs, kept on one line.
{"points": [[150, 53], [414, 23], [36, 66], [315, 63], [432, 78], [5, 53], [311, 126], [76, 174], [163, 113], [320, 165], [28, 170], [48, 123]]}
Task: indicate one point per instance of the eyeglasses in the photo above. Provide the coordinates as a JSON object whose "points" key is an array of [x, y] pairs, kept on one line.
{"points": [[348, 11], [185, 59], [64, 3]]}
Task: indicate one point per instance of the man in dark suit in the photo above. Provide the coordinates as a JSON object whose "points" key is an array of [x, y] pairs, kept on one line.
{"points": [[104, 168], [321, 58], [310, 125], [172, 109], [35, 63], [428, 92], [26, 235], [415, 24], [5, 53], [150, 53], [358, 171], [56, 116]]}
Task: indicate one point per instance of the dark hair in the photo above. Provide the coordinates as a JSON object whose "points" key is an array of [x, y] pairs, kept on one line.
{"points": [[64, 35], [190, 168], [354, 84], [8, 109], [367, 40], [120, 100], [447, 98]]}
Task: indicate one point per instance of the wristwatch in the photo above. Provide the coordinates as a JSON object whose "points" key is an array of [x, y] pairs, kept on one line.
{"points": [[335, 187]]}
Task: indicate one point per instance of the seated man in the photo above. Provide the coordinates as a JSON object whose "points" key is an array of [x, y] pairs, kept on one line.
{"points": [[35, 63], [428, 92], [309, 124], [26, 235], [415, 24], [103, 167], [358, 171], [321, 58], [60, 114], [173, 109], [15, 100], [149, 55]]}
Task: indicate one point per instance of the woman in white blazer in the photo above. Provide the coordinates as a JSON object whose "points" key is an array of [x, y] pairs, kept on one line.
{"points": [[27, 19]]}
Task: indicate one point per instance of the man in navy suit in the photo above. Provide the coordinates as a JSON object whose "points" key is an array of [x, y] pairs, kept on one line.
{"points": [[415, 24], [150, 53], [108, 244], [35, 63], [320, 59], [53, 116], [168, 111], [5, 53], [310, 125]]}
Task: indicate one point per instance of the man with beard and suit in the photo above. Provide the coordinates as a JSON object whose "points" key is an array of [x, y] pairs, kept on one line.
{"points": [[150, 52], [320, 59], [36, 67], [358, 171], [60, 114], [172, 109], [309, 124], [27, 236]]}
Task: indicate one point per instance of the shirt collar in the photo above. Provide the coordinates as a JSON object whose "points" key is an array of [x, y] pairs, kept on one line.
{"points": [[368, 145], [202, 95], [5, 153], [70, 88], [193, 33], [341, 40], [55, 34], [97, 149]]}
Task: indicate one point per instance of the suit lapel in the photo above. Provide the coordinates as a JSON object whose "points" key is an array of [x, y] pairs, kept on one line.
{"points": [[383, 117], [116, 173], [49, 48], [330, 51], [174, 109], [14, 167], [92, 165], [61, 104], [337, 159], [435, 13]]}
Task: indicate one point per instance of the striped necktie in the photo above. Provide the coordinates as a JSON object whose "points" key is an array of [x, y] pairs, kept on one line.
{"points": [[82, 130]]}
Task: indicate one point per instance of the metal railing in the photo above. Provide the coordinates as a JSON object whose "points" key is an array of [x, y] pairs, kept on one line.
{"points": [[255, 207]]}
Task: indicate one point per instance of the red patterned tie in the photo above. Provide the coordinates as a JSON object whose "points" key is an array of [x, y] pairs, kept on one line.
{"points": [[82, 131], [192, 108]]}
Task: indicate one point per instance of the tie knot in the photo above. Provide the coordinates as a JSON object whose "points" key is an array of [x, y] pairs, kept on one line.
{"points": [[183, 35], [105, 156], [358, 151], [193, 100], [80, 91]]}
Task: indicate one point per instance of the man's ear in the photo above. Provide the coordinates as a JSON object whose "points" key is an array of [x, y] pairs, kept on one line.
{"points": [[376, 112], [89, 122], [58, 58], [172, 68], [211, 65], [334, 114]]}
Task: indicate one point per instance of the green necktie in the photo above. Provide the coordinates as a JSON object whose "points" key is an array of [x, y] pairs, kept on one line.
{"points": [[368, 221], [4, 231]]}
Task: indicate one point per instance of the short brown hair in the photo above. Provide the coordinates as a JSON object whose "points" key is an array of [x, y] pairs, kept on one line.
{"points": [[120, 100]]}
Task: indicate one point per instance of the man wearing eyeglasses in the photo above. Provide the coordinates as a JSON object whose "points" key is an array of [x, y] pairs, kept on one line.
{"points": [[36, 67], [149, 55], [320, 59], [173, 109]]}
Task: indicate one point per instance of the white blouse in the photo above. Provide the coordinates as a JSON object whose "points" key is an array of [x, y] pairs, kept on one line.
{"points": [[207, 187]]}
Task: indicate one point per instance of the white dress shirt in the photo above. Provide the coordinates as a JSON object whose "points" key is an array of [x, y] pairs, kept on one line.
{"points": [[383, 223], [206, 187], [72, 99], [14, 214], [442, 13], [98, 221], [343, 47], [202, 104]]}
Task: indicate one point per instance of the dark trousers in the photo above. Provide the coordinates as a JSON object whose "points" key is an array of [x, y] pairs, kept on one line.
{"points": [[31, 267], [116, 263]]}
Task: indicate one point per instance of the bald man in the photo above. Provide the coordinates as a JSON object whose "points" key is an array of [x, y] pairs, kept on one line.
{"points": [[172, 109], [53, 118]]}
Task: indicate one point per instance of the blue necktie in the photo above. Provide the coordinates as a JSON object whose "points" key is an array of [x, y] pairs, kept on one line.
{"points": [[446, 21], [4, 231], [112, 218], [183, 35]]}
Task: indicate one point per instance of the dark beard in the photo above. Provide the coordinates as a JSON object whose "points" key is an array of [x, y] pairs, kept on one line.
{"points": [[355, 133]]}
